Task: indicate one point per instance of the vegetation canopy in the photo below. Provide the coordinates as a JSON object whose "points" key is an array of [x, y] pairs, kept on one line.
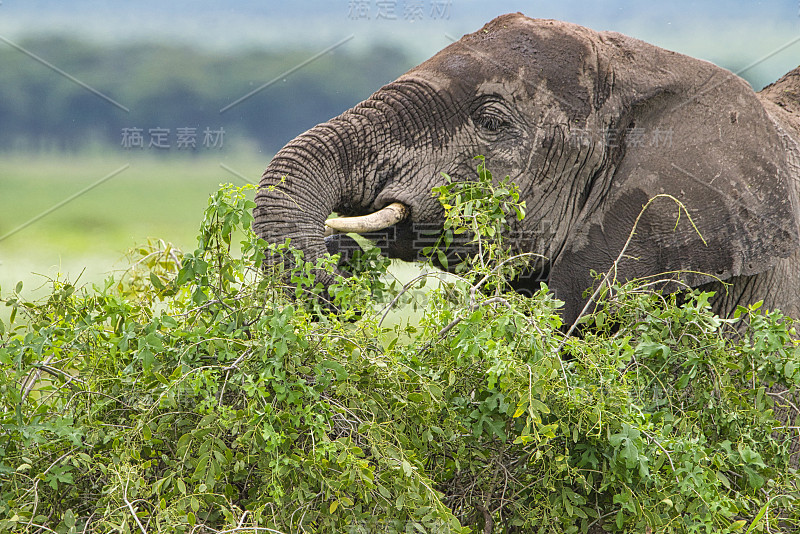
{"points": [[200, 392]]}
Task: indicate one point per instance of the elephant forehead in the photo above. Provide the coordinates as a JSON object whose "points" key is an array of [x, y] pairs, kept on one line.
{"points": [[526, 53]]}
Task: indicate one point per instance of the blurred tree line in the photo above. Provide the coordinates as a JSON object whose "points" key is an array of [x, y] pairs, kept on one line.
{"points": [[173, 87]]}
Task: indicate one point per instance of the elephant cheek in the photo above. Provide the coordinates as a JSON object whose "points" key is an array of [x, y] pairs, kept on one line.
{"points": [[414, 191]]}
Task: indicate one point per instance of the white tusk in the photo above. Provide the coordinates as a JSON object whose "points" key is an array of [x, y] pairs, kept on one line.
{"points": [[383, 218]]}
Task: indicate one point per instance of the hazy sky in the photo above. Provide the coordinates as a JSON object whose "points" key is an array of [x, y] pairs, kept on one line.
{"points": [[734, 34]]}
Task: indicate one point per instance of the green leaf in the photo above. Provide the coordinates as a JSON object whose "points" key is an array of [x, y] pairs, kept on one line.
{"points": [[683, 381], [789, 369], [407, 469], [148, 358], [442, 259], [339, 370], [539, 406], [416, 397], [199, 296], [154, 341], [185, 274], [758, 517], [652, 349], [69, 518], [156, 281], [169, 321], [548, 431]]}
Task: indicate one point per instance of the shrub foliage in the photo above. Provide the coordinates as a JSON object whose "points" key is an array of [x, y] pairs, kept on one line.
{"points": [[200, 392]]}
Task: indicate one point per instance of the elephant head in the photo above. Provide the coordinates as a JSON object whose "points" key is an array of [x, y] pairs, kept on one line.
{"points": [[590, 126]]}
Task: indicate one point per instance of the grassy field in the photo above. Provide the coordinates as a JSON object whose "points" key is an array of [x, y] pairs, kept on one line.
{"points": [[151, 197], [87, 238]]}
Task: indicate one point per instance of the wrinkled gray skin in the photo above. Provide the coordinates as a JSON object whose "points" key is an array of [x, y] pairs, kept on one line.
{"points": [[517, 91]]}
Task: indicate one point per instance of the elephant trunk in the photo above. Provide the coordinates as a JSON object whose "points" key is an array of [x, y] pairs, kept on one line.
{"points": [[324, 170], [300, 187]]}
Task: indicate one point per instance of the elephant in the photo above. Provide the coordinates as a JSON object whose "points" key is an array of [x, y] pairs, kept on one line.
{"points": [[590, 126]]}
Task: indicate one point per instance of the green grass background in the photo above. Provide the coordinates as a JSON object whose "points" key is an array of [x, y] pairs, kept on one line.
{"points": [[155, 197], [88, 238]]}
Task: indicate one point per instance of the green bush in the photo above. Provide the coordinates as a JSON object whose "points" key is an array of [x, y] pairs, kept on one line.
{"points": [[200, 392]]}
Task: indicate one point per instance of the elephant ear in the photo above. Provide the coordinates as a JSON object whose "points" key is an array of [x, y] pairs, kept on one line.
{"points": [[697, 133]]}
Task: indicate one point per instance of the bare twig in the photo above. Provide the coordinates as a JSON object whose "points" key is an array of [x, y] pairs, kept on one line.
{"points": [[130, 507], [90, 392], [42, 527], [784, 399], [654, 440], [228, 370], [593, 523], [33, 377]]}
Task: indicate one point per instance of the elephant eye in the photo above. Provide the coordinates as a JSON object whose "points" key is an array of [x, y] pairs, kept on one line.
{"points": [[491, 118]]}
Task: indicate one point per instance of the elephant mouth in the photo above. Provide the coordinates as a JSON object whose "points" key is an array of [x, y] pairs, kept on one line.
{"points": [[405, 239], [373, 222]]}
